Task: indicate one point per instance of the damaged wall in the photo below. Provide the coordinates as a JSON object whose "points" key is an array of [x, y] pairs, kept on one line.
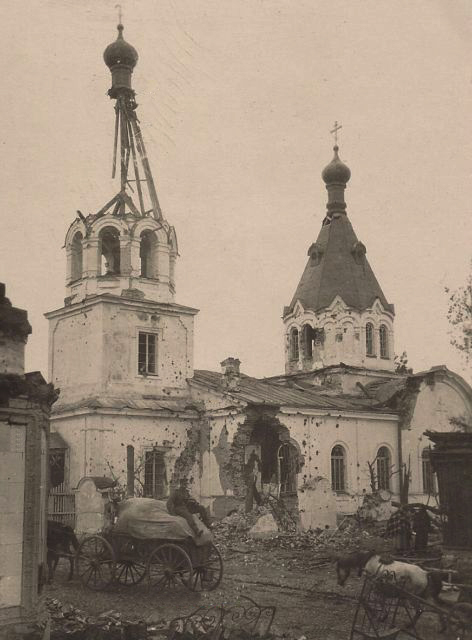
{"points": [[360, 436], [98, 444], [314, 433], [94, 348]]}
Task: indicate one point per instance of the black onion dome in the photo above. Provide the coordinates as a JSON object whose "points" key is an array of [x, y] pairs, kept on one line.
{"points": [[336, 172], [120, 52]]}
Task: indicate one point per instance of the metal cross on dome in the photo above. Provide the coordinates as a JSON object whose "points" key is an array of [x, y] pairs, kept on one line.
{"points": [[335, 130], [120, 14]]}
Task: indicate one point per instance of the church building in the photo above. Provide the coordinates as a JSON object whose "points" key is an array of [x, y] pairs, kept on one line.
{"points": [[339, 423]]}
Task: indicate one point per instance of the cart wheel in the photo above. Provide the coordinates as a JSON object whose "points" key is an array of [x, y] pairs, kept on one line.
{"points": [[96, 563], [207, 574], [131, 564], [168, 566]]}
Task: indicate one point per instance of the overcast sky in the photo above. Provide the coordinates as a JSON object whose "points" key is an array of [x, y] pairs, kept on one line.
{"points": [[236, 100]]}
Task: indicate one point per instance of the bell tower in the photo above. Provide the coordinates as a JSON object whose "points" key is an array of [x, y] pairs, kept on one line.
{"points": [[127, 247], [120, 332], [338, 313]]}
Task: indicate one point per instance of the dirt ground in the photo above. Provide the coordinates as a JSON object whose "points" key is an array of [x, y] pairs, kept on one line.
{"points": [[301, 583]]}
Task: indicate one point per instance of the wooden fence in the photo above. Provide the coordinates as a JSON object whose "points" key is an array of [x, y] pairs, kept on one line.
{"points": [[61, 505]]}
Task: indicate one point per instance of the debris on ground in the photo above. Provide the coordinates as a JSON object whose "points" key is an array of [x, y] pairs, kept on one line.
{"points": [[234, 528], [265, 527], [67, 621], [350, 535]]}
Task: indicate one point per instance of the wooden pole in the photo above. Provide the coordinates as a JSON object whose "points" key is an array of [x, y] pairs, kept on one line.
{"points": [[130, 471]]}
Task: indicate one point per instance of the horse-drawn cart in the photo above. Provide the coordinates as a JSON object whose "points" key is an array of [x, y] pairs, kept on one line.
{"points": [[148, 542]]}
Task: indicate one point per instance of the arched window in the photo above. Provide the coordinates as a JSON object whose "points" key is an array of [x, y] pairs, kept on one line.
{"points": [[429, 481], [383, 468], [383, 334], [287, 457], [308, 337], [110, 251], [147, 254], [369, 339], [76, 257], [338, 468], [294, 353]]}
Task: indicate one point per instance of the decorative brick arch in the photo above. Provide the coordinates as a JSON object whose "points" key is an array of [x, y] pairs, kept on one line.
{"points": [[109, 221], [174, 248], [149, 224], [77, 225]]}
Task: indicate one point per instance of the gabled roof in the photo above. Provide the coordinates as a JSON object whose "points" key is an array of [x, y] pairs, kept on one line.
{"points": [[253, 391], [338, 267]]}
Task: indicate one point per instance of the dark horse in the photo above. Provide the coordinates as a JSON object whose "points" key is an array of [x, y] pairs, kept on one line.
{"points": [[62, 543]]}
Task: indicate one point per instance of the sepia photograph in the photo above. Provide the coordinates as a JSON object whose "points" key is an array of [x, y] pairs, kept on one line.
{"points": [[236, 320]]}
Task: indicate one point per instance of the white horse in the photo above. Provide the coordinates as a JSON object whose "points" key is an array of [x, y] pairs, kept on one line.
{"points": [[414, 579]]}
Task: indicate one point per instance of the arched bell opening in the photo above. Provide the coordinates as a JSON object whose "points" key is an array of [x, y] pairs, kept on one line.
{"points": [[293, 346], [147, 254], [76, 257], [110, 251]]}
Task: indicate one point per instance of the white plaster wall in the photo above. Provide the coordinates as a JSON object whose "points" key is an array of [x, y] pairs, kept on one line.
{"points": [[94, 351], [12, 489], [120, 347], [436, 404], [222, 432], [345, 338], [361, 439], [90, 508], [317, 505], [75, 353], [98, 442]]}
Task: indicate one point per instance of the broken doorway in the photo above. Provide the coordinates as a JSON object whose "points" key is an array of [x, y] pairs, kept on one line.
{"points": [[279, 459]]}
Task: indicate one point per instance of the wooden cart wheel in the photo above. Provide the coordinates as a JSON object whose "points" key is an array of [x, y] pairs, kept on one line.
{"points": [[208, 572], [168, 566], [96, 563], [131, 564]]}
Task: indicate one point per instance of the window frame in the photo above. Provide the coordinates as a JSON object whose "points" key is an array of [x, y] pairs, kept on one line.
{"points": [[383, 464], [384, 342], [155, 334], [294, 354], [156, 452], [370, 337], [308, 335], [338, 469]]}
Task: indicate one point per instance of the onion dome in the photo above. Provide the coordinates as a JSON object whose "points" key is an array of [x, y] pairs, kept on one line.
{"points": [[336, 172], [120, 52]]}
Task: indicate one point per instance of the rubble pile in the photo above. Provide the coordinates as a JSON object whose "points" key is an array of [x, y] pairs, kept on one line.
{"points": [[348, 536], [66, 621], [235, 527]]}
